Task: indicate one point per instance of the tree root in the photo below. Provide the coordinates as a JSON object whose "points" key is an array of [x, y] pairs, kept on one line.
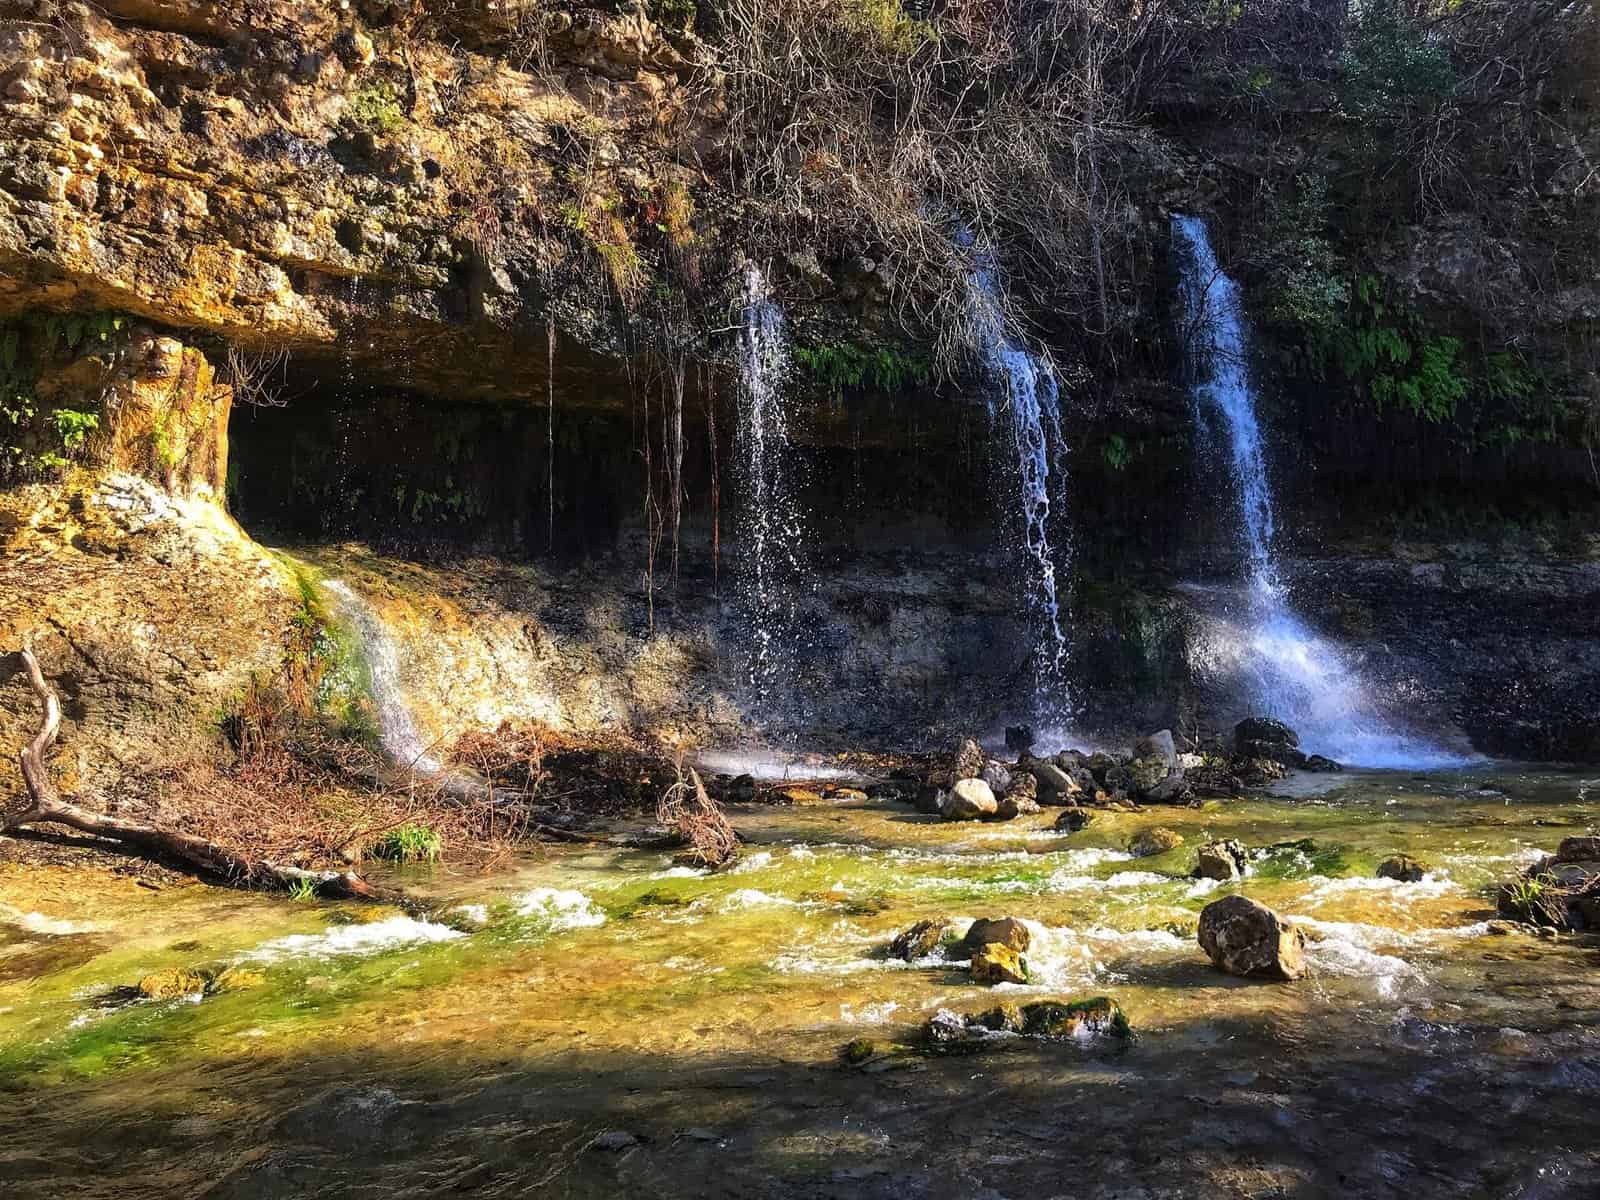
{"points": [[198, 854]]}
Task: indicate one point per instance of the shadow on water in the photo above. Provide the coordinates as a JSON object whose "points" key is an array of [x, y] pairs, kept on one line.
{"points": [[1220, 1108]]}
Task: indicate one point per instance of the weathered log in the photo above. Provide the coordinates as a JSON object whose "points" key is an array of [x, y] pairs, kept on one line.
{"points": [[47, 807]]}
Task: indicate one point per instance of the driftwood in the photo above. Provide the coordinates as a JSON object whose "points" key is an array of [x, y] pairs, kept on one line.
{"points": [[700, 823], [47, 807]]}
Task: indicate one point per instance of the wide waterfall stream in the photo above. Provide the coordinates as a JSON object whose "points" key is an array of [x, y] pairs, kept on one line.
{"points": [[1288, 670], [598, 1018]]}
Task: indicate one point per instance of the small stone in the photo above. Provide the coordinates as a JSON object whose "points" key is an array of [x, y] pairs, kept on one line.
{"points": [[1221, 860], [1149, 842], [1248, 939], [969, 800], [995, 963], [919, 941], [613, 1140], [1403, 868], [857, 1052], [1006, 931]]}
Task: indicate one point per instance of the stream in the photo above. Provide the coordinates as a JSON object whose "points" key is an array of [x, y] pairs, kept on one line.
{"points": [[596, 1018]]}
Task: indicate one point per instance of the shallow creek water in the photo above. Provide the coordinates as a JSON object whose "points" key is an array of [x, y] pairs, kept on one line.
{"points": [[598, 1019]]}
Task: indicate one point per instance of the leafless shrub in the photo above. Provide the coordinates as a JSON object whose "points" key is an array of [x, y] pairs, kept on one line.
{"points": [[700, 823]]}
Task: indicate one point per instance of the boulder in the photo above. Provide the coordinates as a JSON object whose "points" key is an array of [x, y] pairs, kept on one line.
{"points": [[919, 941], [1149, 842], [1402, 867], [1002, 1018], [1318, 762], [969, 760], [1264, 737], [1014, 805], [1248, 939], [1144, 774], [1080, 1019], [1072, 819], [930, 799], [1005, 931], [1578, 850], [1054, 785], [1174, 789], [995, 963], [997, 777], [1157, 745], [1222, 860], [1259, 772], [1213, 781], [969, 800], [1098, 764]]}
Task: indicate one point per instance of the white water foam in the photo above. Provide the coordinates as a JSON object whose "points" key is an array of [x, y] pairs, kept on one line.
{"points": [[559, 908], [33, 922], [372, 937]]}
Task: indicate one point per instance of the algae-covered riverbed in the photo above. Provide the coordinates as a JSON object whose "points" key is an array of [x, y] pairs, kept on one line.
{"points": [[599, 1019]]}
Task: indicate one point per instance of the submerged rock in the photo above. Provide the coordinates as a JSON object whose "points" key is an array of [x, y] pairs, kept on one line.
{"points": [[1149, 842], [1402, 867], [1248, 939], [1006, 931], [919, 941], [171, 984], [1002, 1018], [1079, 1019], [997, 963], [1072, 819], [237, 979], [1053, 1020], [969, 800], [1222, 860]]}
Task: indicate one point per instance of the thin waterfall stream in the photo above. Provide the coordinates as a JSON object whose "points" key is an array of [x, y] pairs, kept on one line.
{"points": [[1290, 671], [772, 527], [1026, 401]]}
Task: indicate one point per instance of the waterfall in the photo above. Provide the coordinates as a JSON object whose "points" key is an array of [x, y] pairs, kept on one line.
{"points": [[1031, 415], [396, 729], [771, 525], [1290, 672]]}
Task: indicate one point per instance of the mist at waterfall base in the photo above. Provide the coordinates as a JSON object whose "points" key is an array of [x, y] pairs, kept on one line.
{"points": [[1256, 641], [1025, 399]]}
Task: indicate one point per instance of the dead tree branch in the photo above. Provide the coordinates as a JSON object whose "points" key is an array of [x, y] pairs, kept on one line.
{"points": [[46, 806]]}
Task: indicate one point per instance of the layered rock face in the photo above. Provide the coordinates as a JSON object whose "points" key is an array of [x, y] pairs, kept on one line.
{"points": [[291, 175]]}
